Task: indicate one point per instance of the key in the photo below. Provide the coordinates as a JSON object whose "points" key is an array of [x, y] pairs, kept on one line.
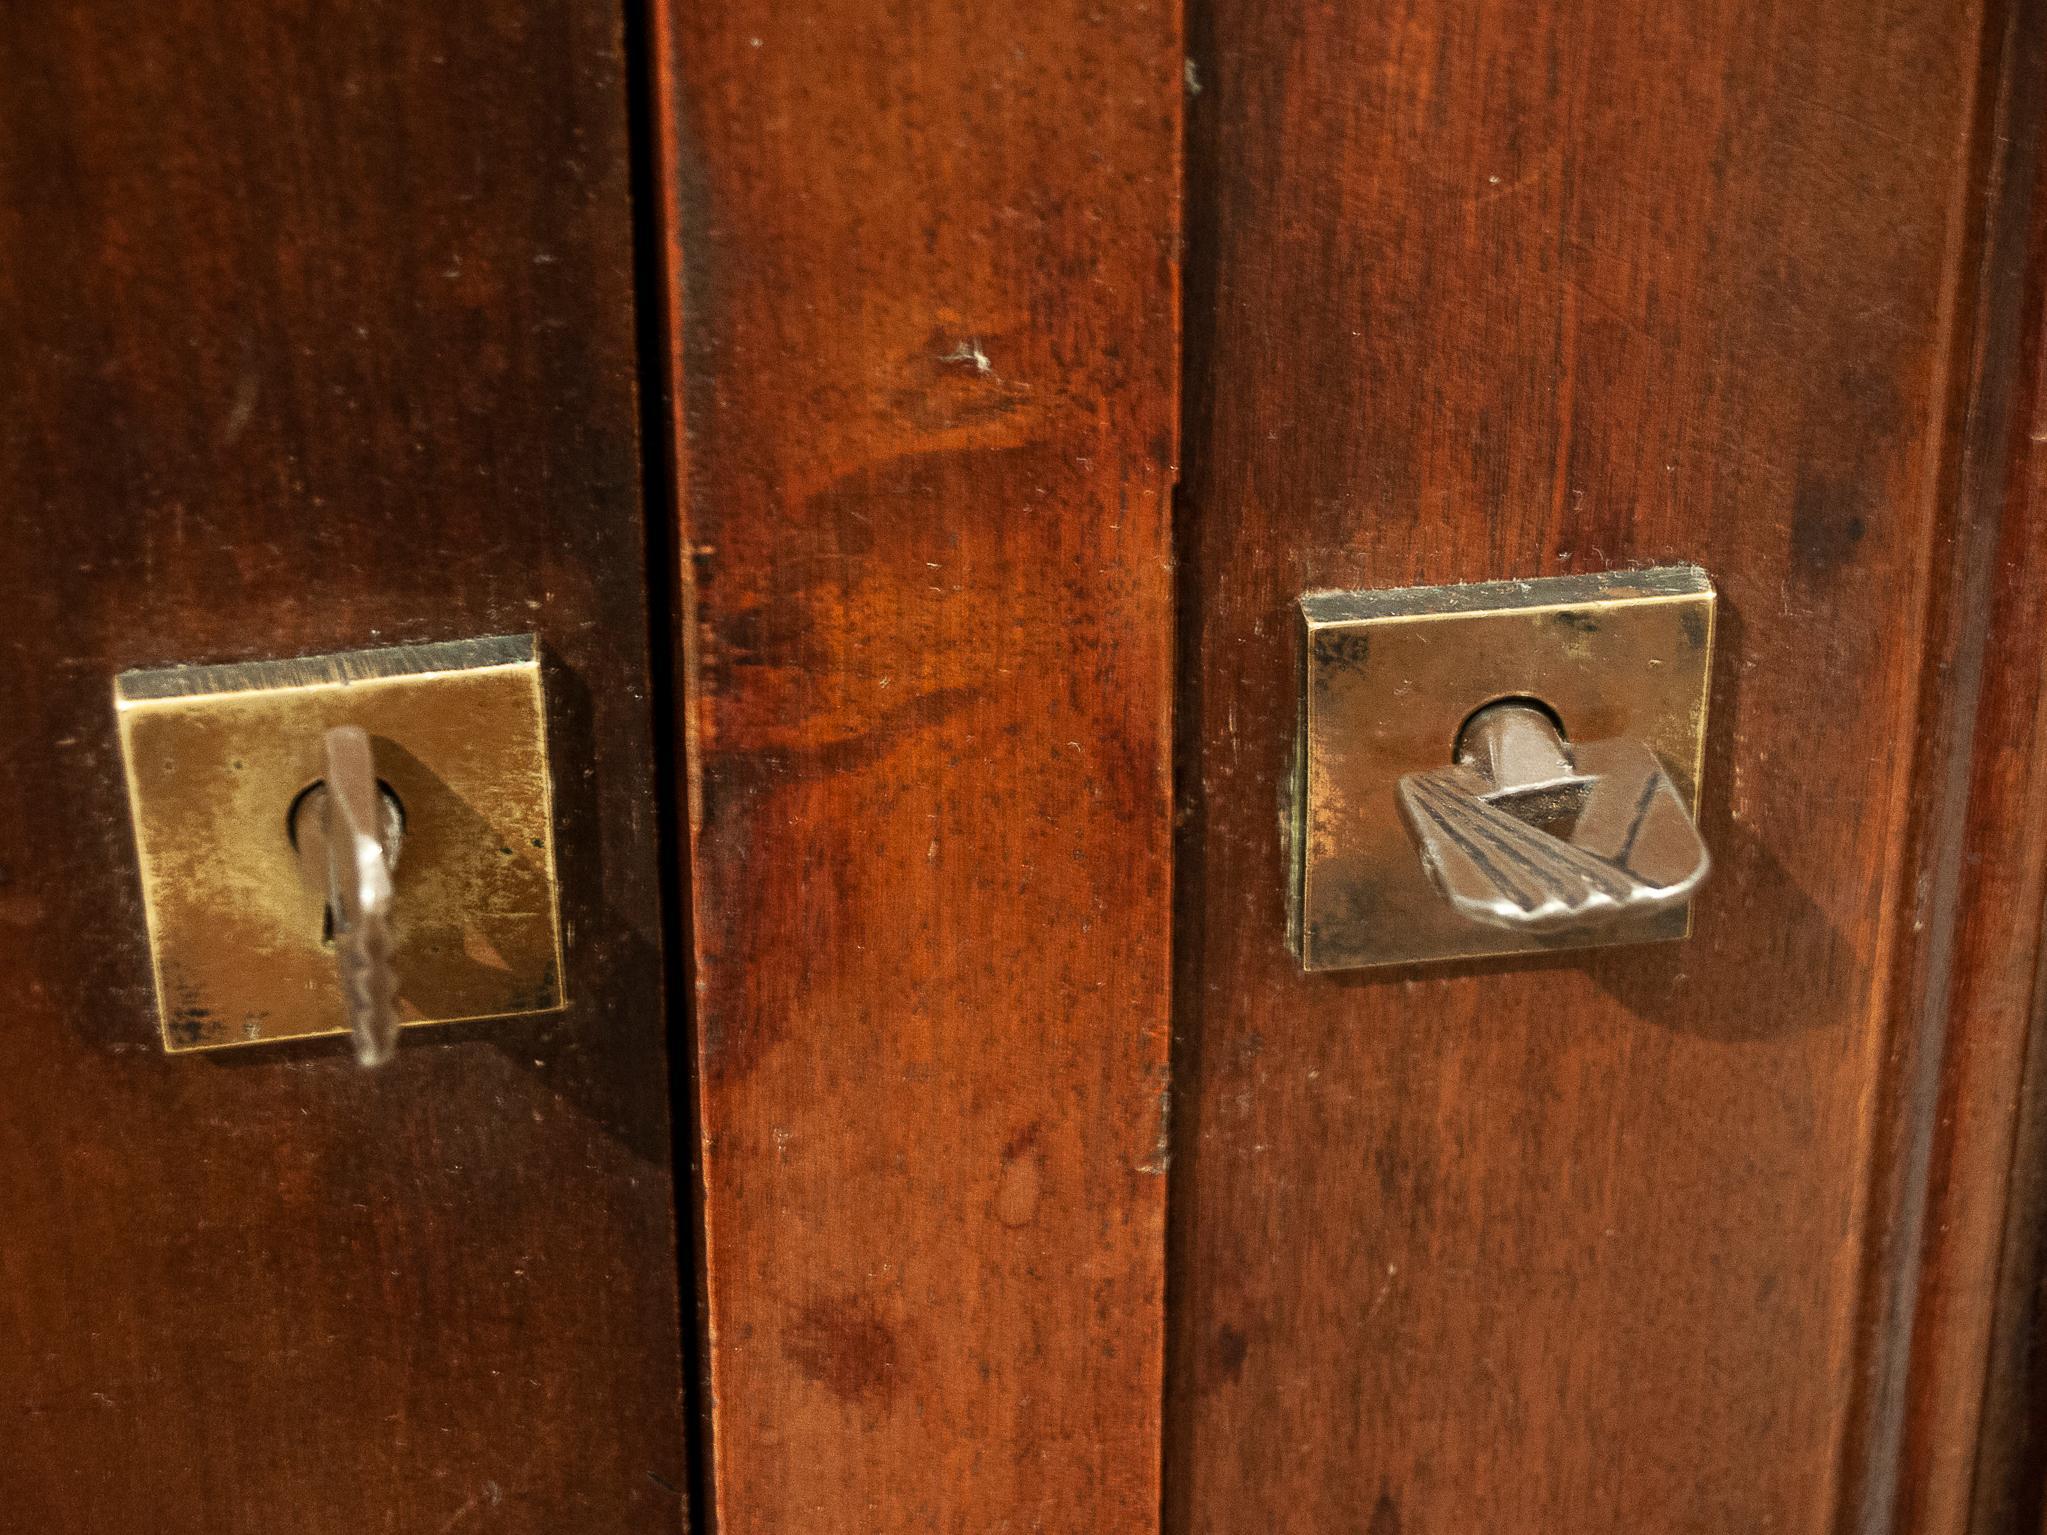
{"points": [[347, 832]]}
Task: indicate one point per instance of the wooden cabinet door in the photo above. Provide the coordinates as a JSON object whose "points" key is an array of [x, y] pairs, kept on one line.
{"points": [[318, 329], [1695, 1237], [927, 684]]}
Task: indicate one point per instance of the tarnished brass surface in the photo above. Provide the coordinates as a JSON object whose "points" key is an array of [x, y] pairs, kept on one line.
{"points": [[217, 755], [1389, 680]]}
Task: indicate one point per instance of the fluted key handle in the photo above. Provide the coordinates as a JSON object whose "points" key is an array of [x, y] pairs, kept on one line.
{"points": [[347, 832], [1531, 832]]}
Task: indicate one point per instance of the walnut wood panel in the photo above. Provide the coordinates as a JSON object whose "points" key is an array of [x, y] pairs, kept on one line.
{"points": [[1983, 844], [924, 259], [1998, 1462], [318, 327], [1621, 1241]]}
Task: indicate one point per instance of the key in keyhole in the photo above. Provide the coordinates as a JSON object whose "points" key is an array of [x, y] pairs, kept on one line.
{"points": [[346, 829]]}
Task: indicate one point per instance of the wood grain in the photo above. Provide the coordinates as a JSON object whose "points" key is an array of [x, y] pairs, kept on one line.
{"points": [[1623, 1241], [1982, 841], [924, 261], [1979, 1415], [319, 326]]}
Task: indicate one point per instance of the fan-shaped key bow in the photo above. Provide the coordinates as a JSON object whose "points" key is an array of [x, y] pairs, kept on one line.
{"points": [[1530, 832]]}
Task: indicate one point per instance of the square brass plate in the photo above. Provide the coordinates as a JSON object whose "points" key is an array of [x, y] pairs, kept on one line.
{"points": [[217, 754], [1388, 681]]}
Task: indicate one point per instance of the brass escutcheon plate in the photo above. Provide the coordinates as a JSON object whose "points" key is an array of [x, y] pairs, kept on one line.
{"points": [[216, 756], [1388, 681]]}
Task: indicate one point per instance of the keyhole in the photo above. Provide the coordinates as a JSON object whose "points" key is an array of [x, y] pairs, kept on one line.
{"points": [[305, 825], [1520, 743]]}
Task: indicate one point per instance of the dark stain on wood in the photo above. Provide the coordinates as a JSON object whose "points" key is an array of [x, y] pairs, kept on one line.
{"points": [[1226, 1354], [1827, 524], [844, 1345]]}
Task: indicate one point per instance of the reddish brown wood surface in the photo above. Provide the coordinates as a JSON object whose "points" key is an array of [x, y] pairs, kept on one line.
{"points": [[317, 323], [1983, 844], [1626, 1241], [1997, 1459], [925, 260]]}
